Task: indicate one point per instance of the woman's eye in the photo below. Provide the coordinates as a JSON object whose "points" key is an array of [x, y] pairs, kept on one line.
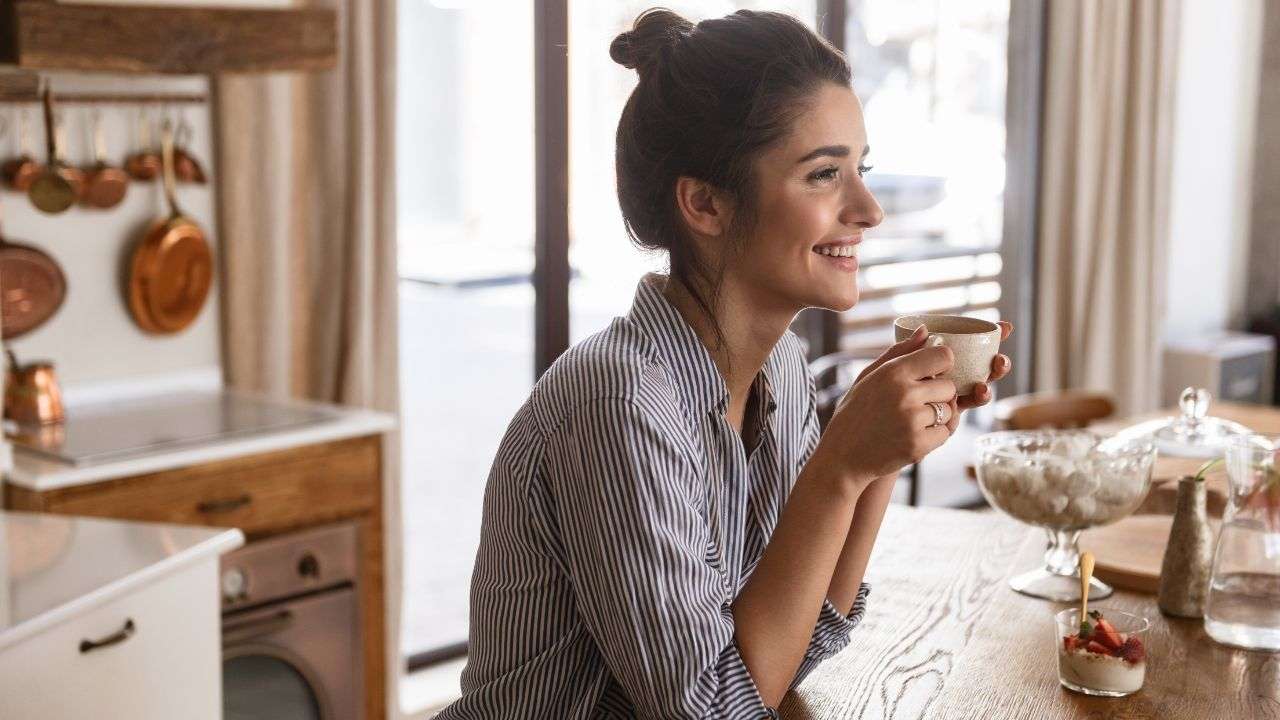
{"points": [[864, 169], [825, 174]]}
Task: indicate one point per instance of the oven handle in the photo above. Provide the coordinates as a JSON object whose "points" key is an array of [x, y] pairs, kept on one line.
{"points": [[239, 632]]}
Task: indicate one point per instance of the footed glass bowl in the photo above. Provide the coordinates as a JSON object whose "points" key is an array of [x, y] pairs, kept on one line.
{"points": [[1063, 481]]}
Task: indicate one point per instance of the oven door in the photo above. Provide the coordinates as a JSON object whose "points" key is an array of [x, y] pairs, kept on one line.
{"points": [[292, 660]]}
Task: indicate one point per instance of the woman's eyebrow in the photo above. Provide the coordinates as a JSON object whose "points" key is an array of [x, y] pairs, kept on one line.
{"points": [[839, 151]]}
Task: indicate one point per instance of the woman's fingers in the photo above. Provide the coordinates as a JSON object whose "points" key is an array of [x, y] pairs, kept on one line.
{"points": [[1006, 329], [938, 389], [1000, 366], [980, 396], [954, 421], [912, 343]]}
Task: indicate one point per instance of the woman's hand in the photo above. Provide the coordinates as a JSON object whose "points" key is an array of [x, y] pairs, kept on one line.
{"points": [[981, 395], [885, 421]]}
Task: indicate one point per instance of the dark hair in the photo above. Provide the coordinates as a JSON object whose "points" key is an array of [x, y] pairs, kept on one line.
{"points": [[711, 98]]}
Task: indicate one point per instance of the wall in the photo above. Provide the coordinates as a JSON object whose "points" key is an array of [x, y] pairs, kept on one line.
{"points": [[1264, 258], [1217, 89], [93, 338]]}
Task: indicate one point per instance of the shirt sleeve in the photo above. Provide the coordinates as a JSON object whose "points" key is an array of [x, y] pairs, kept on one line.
{"points": [[832, 632], [635, 547]]}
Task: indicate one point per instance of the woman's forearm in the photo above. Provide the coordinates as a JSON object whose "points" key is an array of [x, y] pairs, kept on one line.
{"points": [[852, 566], [776, 611]]}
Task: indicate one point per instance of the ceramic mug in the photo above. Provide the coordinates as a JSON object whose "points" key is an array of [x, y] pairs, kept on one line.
{"points": [[974, 343]]}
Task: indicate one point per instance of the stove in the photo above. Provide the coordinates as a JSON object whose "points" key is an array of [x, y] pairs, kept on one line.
{"points": [[118, 430]]}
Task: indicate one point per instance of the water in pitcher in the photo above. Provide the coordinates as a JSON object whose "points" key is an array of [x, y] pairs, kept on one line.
{"points": [[1243, 606]]}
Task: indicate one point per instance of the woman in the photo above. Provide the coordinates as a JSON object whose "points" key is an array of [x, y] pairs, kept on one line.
{"points": [[665, 534]]}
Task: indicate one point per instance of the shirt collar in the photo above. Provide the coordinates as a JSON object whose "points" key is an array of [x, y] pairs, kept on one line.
{"points": [[678, 347]]}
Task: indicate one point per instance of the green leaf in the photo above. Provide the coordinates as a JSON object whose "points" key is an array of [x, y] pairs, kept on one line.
{"points": [[1207, 467]]}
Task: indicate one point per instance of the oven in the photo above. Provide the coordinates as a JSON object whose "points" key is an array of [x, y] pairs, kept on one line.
{"points": [[290, 628]]}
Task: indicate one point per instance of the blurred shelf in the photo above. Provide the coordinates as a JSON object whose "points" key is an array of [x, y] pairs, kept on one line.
{"points": [[153, 39]]}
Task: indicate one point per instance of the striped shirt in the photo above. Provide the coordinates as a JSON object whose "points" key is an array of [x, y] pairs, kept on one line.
{"points": [[622, 516]]}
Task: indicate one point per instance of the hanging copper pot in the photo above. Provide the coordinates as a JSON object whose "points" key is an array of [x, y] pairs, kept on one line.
{"points": [[185, 165], [104, 184], [58, 186], [144, 164], [172, 267], [19, 172]]}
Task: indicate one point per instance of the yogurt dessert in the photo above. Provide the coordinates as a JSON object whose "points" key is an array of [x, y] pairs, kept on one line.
{"points": [[1096, 658]]}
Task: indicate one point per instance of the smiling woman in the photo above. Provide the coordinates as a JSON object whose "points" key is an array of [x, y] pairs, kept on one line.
{"points": [[666, 533]]}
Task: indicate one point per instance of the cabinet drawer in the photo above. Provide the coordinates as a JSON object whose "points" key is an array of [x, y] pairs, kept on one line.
{"points": [[169, 666], [261, 494]]}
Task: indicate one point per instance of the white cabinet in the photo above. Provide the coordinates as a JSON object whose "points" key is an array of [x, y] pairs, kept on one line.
{"points": [[146, 646]]}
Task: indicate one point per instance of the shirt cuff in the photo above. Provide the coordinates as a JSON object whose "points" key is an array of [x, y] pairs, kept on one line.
{"points": [[831, 634]]}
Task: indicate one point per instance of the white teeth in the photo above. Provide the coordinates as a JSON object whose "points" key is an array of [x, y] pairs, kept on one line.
{"points": [[837, 250]]}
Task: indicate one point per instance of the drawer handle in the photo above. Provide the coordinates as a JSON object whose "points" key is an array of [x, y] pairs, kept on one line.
{"points": [[236, 633], [223, 506], [119, 636]]}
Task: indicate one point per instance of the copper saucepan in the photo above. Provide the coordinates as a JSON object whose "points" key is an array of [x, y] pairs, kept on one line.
{"points": [[172, 267], [104, 184]]}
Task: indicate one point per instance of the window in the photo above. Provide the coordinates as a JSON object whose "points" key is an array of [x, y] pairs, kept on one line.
{"points": [[931, 78], [466, 217]]}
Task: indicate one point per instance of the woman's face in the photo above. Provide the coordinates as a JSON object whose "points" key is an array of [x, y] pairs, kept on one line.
{"points": [[812, 208]]}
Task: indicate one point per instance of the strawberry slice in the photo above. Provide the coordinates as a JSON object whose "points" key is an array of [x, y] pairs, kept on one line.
{"points": [[1095, 647], [1107, 635], [1132, 650], [1070, 642]]}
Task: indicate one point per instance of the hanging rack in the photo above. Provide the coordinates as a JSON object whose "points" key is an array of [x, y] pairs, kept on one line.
{"points": [[74, 98]]}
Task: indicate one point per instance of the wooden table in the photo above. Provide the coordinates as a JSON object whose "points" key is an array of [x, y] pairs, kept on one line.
{"points": [[945, 637]]}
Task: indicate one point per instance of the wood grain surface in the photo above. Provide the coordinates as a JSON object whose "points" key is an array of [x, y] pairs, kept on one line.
{"points": [[945, 637]]}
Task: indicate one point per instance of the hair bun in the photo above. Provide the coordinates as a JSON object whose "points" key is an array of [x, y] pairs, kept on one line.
{"points": [[654, 30]]}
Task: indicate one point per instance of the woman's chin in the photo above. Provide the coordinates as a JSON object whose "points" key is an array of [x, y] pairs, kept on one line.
{"points": [[839, 301]]}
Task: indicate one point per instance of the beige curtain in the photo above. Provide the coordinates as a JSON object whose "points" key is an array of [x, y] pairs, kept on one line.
{"points": [[1105, 171], [307, 236]]}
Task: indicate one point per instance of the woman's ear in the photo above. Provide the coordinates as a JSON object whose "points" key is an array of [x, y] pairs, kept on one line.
{"points": [[705, 209]]}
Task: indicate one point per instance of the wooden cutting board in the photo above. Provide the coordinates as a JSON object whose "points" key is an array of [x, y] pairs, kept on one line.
{"points": [[1128, 554]]}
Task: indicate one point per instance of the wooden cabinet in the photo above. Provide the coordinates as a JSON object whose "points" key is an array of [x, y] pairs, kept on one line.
{"points": [[263, 495]]}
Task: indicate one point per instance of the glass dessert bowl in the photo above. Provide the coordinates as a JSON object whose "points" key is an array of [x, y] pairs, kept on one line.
{"points": [[1106, 655], [1063, 481]]}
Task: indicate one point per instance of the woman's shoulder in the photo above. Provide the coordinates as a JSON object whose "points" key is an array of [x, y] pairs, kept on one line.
{"points": [[617, 363]]}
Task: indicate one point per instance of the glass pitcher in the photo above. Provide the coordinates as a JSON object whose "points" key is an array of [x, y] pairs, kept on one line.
{"points": [[1243, 607]]}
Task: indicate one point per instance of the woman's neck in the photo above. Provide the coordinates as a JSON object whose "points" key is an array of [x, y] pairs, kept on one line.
{"points": [[749, 333]]}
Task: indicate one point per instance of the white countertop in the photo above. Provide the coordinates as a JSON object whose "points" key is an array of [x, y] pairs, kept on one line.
{"points": [[54, 567], [40, 473]]}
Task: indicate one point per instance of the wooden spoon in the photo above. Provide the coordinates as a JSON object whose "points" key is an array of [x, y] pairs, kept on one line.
{"points": [[1086, 574]]}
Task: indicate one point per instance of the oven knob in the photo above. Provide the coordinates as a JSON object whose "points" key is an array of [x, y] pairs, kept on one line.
{"points": [[309, 567], [234, 584]]}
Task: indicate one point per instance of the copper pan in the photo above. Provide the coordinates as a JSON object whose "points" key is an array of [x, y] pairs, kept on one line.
{"points": [[19, 172], [172, 267], [104, 184], [32, 288], [58, 186]]}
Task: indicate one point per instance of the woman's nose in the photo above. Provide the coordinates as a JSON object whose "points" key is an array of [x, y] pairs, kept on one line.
{"points": [[861, 207]]}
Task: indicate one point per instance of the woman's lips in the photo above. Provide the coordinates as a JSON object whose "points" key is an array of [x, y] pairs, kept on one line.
{"points": [[847, 264]]}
